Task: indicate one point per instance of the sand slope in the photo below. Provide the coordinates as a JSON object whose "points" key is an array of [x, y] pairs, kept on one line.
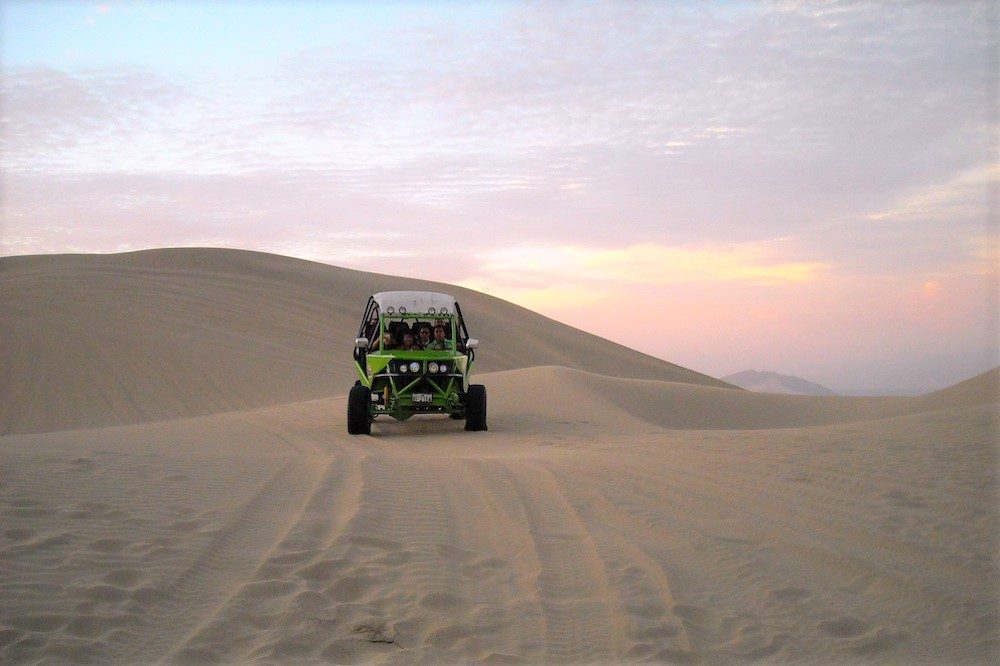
{"points": [[567, 534], [600, 519], [92, 340]]}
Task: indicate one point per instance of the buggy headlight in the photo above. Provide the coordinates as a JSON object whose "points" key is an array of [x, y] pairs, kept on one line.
{"points": [[414, 367], [432, 367], [402, 367], [443, 367], [431, 310]]}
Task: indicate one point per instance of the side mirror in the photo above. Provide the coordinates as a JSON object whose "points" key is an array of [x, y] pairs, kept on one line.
{"points": [[360, 343], [471, 343]]}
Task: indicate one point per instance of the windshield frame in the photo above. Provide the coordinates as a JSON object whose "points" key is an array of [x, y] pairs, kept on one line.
{"points": [[451, 321]]}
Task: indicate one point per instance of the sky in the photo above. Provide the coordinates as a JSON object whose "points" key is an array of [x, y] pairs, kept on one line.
{"points": [[803, 187]]}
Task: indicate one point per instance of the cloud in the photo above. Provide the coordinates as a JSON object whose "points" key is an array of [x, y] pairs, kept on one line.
{"points": [[964, 196], [652, 264]]}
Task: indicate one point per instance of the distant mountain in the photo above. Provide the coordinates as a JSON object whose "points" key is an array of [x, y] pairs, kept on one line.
{"points": [[772, 382]]}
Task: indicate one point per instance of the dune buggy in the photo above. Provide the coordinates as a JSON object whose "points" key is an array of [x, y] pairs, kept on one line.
{"points": [[413, 355]]}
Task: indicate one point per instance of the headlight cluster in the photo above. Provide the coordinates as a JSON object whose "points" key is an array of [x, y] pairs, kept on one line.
{"points": [[413, 367]]}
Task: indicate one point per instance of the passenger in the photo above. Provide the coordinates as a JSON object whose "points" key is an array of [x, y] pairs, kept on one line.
{"points": [[424, 337], [408, 343], [387, 342], [440, 343]]}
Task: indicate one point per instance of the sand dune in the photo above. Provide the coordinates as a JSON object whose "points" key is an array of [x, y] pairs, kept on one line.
{"points": [[91, 340], [601, 518]]}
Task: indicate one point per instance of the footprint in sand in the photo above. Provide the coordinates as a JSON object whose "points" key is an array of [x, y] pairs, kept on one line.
{"points": [[41, 623], [127, 578], [440, 601], [692, 614], [395, 558], [446, 637], [790, 595], [18, 533], [901, 498], [82, 463], [323, 570], [268, 589], [843, 627], [94, 626], [9, 637], [351, 588], [646, 611], [109, 594], [880, 641], [374, 542], [656, 634], [108, 545]]}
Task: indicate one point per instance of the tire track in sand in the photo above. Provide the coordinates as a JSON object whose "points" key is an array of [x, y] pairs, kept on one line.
{"points": [[233, 553], [650, 622], [572, 586], [254, 620]]}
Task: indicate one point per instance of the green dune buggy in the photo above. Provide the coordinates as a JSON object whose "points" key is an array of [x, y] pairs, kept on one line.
{"points": [[413, 355]]}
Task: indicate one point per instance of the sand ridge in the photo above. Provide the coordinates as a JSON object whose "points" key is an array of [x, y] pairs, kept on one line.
{"points": [[92, 340], [601, 518]]}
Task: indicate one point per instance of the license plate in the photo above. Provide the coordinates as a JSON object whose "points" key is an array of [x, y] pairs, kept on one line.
{"points": [[422, 397]]}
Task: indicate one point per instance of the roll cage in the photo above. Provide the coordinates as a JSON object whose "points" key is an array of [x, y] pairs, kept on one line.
{"points": [[380, 318]]}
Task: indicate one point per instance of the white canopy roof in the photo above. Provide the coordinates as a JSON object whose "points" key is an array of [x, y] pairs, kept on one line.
{"points": [[415, 301]]}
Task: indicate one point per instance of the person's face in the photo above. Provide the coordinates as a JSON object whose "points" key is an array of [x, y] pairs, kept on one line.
{"points": [[439, 334], [407, 339], [387, 338], [425, 334]]}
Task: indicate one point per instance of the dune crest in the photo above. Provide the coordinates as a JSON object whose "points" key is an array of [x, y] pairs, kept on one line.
{"points": [[92, 340]]}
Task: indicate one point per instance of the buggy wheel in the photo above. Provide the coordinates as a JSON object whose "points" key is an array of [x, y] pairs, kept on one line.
{"points": [[358, 421], [475, 407]]}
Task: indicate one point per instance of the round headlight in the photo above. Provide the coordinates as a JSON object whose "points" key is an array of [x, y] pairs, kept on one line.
{"points": [[402, 367], [432, 367], [443, 367], [390, 310], [402, 309], [414, 367], [430, 310], [444, 311]]}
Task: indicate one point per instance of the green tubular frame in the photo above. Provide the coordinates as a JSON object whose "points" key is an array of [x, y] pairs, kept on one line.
{"points": [[400, 406]]}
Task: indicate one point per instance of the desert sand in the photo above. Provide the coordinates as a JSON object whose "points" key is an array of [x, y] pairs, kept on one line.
{"points": [[177, 485]]}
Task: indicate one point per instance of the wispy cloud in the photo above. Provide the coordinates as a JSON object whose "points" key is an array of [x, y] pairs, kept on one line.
{"points": [[964, 196], [650, 264]]}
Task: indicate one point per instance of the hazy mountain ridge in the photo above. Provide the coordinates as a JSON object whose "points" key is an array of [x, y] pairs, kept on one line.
{"points": [[772, 382]]}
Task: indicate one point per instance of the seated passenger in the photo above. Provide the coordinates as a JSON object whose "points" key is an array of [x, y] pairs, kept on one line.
{"points": [[408, 343], [387, 342], [440, 343], [424, 337]]}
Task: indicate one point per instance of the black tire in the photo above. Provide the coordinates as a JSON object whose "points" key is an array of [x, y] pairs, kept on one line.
{"points": [[358, 421], [475, 407]]}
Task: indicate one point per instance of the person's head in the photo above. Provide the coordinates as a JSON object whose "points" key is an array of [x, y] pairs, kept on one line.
{"points": [[425, 334], [407, 340], [439, 333], [387, 339]]}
